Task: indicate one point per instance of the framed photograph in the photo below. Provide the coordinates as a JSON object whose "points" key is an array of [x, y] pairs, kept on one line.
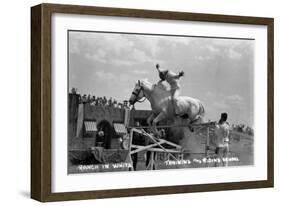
{"points": [[130, 102]]}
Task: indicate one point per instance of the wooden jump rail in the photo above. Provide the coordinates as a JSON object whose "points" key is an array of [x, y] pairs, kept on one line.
{"points": [[156, 142], [159, 142], [208, 124]]}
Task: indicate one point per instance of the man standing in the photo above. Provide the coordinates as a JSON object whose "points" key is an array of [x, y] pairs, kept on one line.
{"points": [[138, 139], [100, 139], [222, 138], [173, 80]]}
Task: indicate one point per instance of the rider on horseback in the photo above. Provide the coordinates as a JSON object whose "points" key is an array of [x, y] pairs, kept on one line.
{"points": [[173, 80]]}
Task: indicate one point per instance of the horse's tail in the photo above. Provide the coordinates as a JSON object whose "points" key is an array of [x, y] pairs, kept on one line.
{"points": [[201, 109]]}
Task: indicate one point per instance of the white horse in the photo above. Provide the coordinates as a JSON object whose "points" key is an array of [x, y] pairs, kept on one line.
{"points": [[162, 106]]}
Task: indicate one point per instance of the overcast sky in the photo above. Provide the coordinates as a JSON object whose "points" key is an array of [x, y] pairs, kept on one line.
{"points": [[218, 71]]}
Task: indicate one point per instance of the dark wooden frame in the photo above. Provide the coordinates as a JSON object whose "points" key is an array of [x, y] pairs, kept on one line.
{"points": [[41, 101]]}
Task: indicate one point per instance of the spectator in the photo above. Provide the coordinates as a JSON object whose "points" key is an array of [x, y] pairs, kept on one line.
{"points": [[104, 101], [79, 98], [74, 90], [84, 99], [138, 139], [114, 103], [222, 138], [110, 103], [119, 105], [100, 101], [89, 99], [93, 100], [100, 138], [125, 102]]}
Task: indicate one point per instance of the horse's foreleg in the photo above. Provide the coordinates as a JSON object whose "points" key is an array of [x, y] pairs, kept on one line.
{"points": [[159, 117], [149, 119]]}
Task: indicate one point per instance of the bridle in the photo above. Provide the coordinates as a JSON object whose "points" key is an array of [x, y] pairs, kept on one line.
{"points": [[137, 92]]}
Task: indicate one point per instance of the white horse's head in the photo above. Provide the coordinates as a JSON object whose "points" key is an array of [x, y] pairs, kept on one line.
{"points": [[140, 90]]}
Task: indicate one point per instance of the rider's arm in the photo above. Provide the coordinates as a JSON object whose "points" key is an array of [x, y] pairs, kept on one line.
{"points": [[163, 71], [171, 74], [158, 68]]}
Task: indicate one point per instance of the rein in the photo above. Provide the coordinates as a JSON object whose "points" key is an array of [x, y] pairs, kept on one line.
{"points": [[140, 101], [137, 94]]}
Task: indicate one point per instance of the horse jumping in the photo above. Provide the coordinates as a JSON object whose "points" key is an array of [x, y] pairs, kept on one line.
{"points": [[158, 95]]}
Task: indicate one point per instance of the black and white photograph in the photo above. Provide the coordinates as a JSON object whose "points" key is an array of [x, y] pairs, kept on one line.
{"points": [[139, 101]]}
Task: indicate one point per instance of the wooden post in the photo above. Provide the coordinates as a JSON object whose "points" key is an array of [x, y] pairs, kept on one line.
{"points": [[127, 117], [151, 160], [207, 149]]}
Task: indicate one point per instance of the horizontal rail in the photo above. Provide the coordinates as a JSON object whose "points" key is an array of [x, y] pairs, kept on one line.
{"points": [[164, 141], [170, 126], [141, 148], [151, 149]]}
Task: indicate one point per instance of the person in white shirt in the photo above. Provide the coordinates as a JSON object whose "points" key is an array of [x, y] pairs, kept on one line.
{"points": [[222, 139]]}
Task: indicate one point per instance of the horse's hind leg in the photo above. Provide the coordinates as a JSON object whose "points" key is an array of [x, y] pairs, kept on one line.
{"points": [[159, 117]]}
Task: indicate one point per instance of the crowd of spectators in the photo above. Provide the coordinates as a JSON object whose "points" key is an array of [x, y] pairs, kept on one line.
{"points": [[100, 101], [243, 128]]}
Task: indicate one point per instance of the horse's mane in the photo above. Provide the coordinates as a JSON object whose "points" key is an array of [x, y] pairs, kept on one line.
{"points": [[159, 85], [162, 86]]}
